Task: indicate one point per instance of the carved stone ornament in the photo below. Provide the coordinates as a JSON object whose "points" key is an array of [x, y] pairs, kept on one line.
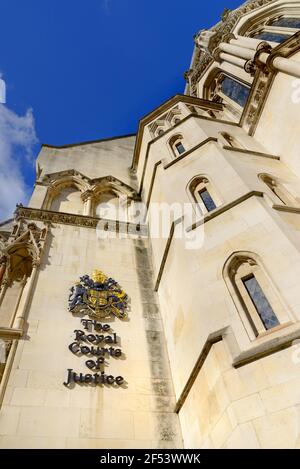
{"points": [[51, 217], [99, 297], [208, 40]]}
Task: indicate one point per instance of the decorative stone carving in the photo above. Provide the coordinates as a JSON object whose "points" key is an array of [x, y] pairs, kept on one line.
{"points": [[23, 249], [208, 40], [47, 216]]}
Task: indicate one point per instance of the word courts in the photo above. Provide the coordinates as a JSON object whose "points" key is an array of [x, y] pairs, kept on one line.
{"points": [[96, 343]]}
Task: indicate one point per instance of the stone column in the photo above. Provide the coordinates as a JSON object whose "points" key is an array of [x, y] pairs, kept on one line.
{"points": [[25, 298], [281, 64], [250, 42], [232, 59], [246, 42], [288, 66], [3, 262], [87, 197], [248, 49], [237, 51], [22, 286], [3, 290]]}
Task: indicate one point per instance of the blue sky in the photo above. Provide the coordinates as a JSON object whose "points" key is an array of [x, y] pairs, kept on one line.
{"points": [[81, 70]]}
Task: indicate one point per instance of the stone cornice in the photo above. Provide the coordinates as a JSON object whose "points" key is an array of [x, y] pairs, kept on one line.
{"points": [[88, 142], [10, 333], [209, 216], [224, 208], [205, 104], [245, 151], [49, 216], [286, 208], [54, 178], [196, 116]]}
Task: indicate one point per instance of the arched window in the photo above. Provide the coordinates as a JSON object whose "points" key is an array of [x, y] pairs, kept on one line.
{"points": [[106, 205], [285, 22], [231, 141], [177, 146], [253, 293], [111, 205], [227, 89], [271, 36], [278, 189], [203, 194], [276, 29], [235, 90], [68, 200]]}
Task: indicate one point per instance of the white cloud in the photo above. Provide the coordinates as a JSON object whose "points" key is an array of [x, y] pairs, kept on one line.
{"points": [[17, 137]]}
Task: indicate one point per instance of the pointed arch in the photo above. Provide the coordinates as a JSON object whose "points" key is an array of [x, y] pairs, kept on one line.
{"points": [[202, 192], [278, 189], [177, 145], [256, 298], [111, 198], [65, 181]]}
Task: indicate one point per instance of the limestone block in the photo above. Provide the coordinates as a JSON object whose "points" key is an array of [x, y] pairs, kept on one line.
{"points": [[247, 408], [101, 424], [9, 420], [23, 442], [243, 437], [221, 431], [96, 443], [245, 380], [57, 398], [18, 378], [49, 422], [28, 397], [278, 430], [281, 396]]}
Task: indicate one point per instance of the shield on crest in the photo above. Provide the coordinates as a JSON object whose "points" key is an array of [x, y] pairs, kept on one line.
{"points": [[97, 299]]}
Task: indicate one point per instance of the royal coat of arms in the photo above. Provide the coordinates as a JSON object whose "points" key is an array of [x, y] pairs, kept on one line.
{"points": [[99, 297]]}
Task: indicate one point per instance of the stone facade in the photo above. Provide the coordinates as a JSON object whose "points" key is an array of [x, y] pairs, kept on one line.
{"points": [[207, 362]]}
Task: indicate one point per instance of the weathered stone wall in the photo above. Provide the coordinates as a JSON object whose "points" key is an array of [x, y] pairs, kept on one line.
{"points": [[256, 406], [38, 410]]}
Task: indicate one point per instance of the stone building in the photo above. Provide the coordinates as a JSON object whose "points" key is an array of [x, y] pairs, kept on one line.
{"points": [[208, 354]]}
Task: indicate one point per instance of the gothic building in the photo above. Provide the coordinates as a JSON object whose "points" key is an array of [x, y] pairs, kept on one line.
{"points": [[116, 334]]}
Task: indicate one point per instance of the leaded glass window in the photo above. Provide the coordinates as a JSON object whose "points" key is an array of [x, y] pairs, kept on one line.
{"points": [[272, 37], [207, 200], [235, 90], [287, 23], [180, 148], [260, 302]]}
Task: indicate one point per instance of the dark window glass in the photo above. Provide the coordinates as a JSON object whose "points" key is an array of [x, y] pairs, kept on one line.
{"points": [[261, 303], [180, 148], [235, 91], [272, 37], [207, 200], [287, 23]]}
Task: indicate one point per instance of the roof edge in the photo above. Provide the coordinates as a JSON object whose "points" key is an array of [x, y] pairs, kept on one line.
{"points": [[87, 142]]}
